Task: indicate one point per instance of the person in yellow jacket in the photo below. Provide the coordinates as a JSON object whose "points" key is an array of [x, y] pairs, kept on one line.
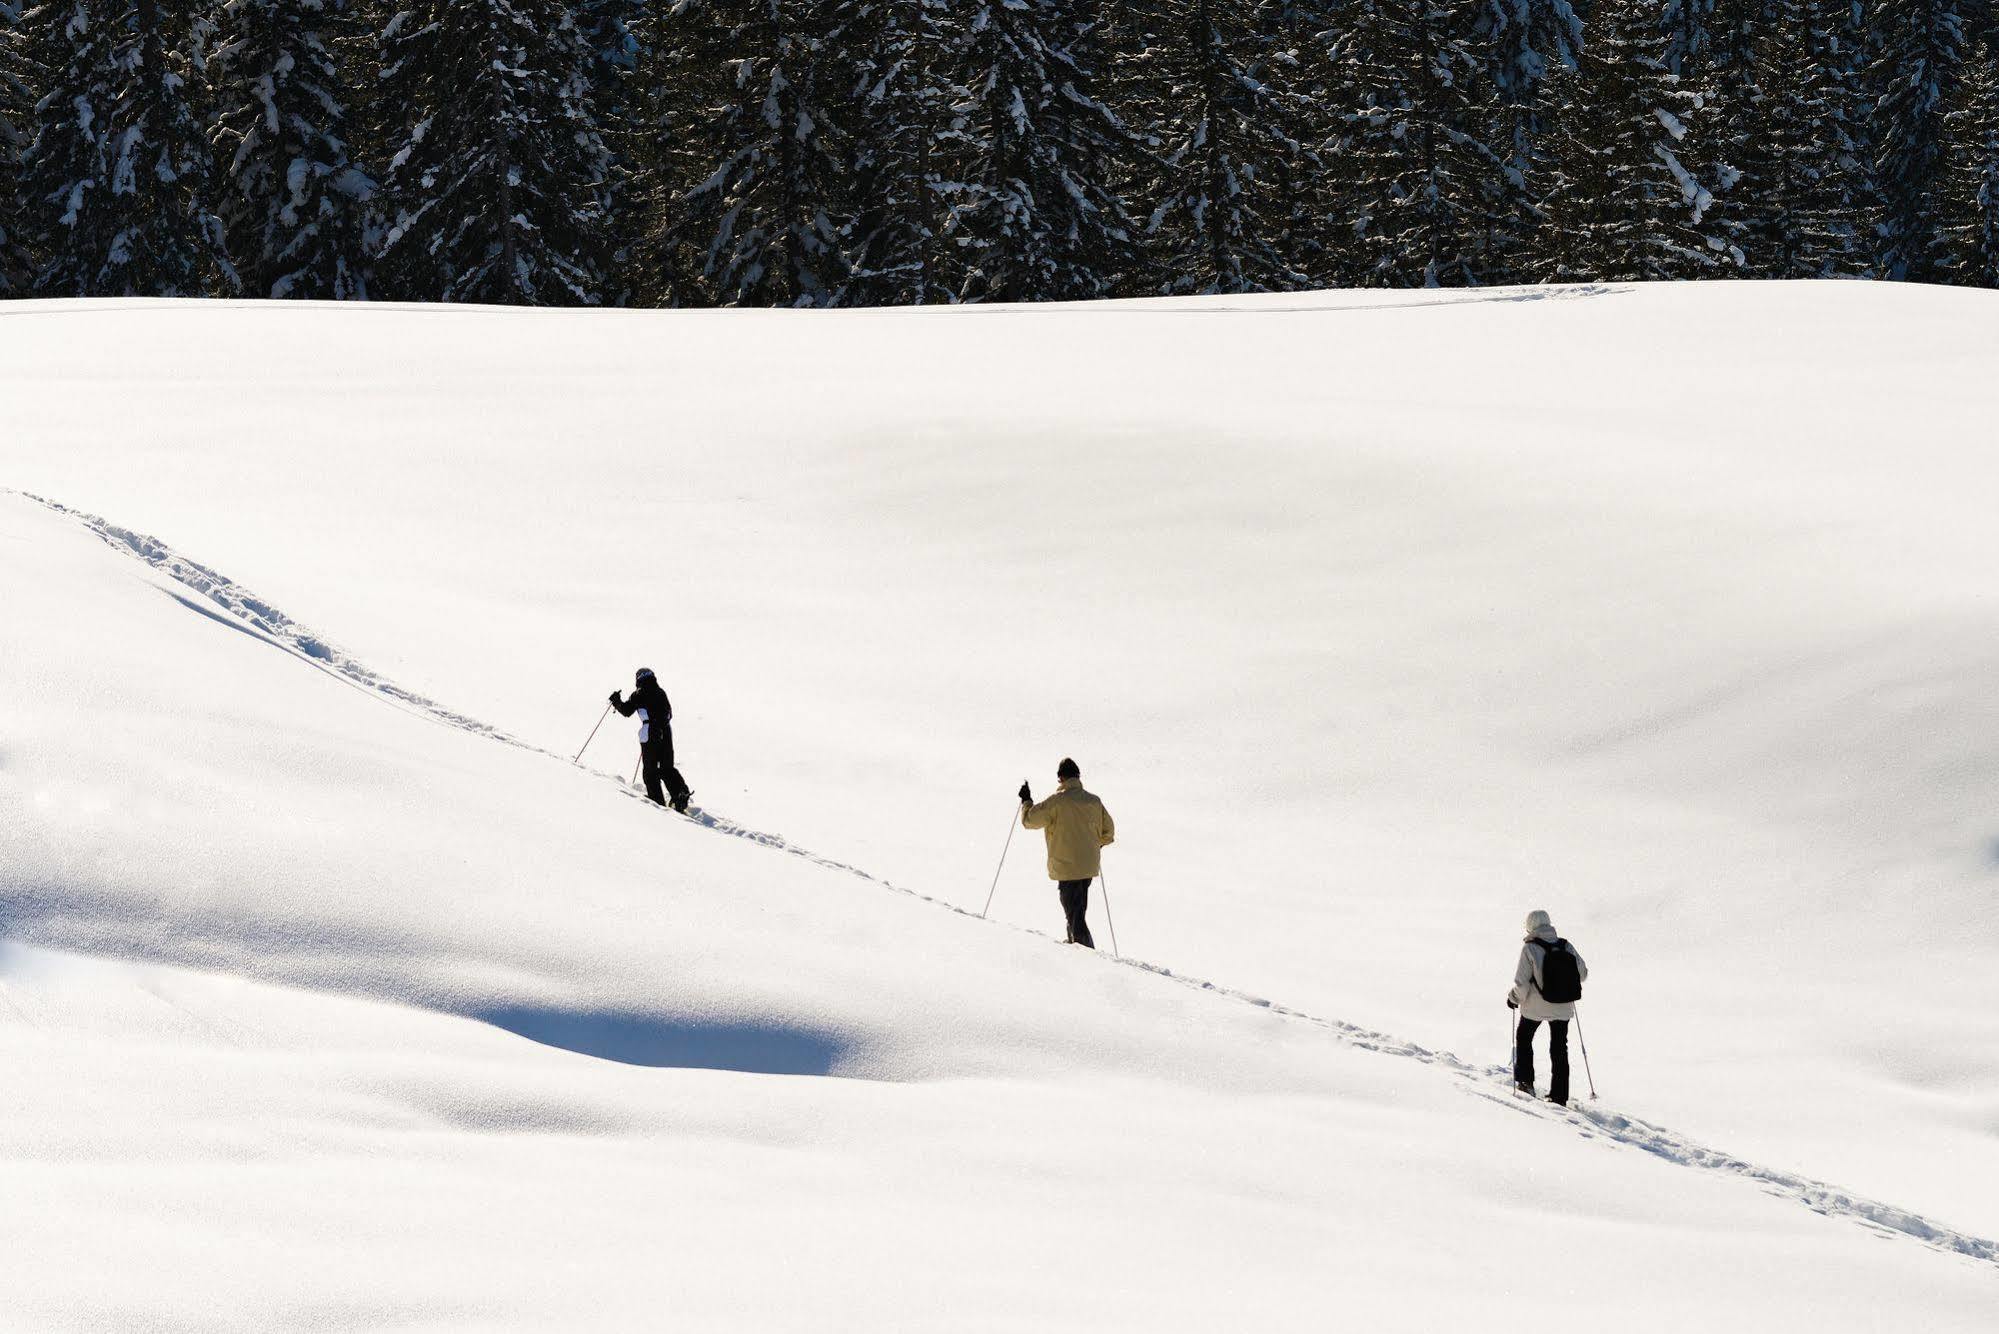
{"points": [[1078, 829]]}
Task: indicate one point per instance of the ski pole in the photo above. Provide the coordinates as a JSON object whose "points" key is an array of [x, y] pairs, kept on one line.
{"points": [[1109, 921], [1584, 1043], [1002, 864], [593, 734], [635, 769]]}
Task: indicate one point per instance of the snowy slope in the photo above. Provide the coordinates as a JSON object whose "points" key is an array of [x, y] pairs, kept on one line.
{"points": [[479, 1040], [1377, 620]]}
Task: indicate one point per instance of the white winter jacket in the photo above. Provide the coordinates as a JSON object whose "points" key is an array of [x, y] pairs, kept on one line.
{"points": [[1526, 991]]}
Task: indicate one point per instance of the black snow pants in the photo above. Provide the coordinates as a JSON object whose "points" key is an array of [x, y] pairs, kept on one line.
{"points": [[657, 755], [1075, 904], [1558, 1056]]}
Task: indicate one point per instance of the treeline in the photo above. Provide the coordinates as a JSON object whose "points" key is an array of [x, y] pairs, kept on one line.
{"points": [[870, 152]]}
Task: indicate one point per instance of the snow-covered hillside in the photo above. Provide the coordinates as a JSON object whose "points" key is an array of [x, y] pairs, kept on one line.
{"points": [[1376, 619]]}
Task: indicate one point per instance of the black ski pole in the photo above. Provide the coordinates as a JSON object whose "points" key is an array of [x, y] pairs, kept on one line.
{"points": [[1109, 921], [593, 734], [1002, 862], [1584, 1043]]}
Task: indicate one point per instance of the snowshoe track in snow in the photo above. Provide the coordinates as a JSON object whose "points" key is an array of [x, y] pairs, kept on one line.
{"points": [[222, 599]]}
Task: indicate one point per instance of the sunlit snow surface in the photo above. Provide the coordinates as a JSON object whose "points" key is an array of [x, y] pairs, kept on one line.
{"points": [[333, 996]]}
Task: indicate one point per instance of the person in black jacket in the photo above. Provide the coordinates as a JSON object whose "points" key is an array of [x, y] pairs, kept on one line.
{"points": [[655, 715]]}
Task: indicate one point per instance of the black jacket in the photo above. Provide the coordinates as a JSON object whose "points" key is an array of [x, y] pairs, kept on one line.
{"points": [[659, 710]]}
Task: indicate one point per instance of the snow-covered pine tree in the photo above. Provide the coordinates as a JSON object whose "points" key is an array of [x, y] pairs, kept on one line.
{"points": [[1302, 73], [1213, 91], [899, 102], [1423, 192], [1128, 44], [1028, 159], [17, 105], [1526, 40], [291, 197], [658, 147], [117, 177], [749, 179], [1785, 98], [1969, 209], [1689, 29], [611, 30], [1782, 111], [1624, 205], [1842, 240], [1922, 45], [494, 186], [1522, 42]]}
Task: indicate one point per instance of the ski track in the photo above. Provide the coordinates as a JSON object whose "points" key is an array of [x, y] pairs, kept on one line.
{"points": [[1491, 1082]]}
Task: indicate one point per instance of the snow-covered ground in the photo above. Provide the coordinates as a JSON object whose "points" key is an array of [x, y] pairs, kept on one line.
{"points": [[1376, 619]]}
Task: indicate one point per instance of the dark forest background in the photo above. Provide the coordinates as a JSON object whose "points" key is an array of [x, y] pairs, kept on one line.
{"points": [[869, 152]]}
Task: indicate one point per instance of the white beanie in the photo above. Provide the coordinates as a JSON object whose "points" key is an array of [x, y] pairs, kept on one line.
{"points": [[1537, 920]]}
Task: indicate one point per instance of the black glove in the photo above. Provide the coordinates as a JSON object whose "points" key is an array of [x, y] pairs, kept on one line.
{"points": [[1512, 1004], [1026, 797], [615, 694]]}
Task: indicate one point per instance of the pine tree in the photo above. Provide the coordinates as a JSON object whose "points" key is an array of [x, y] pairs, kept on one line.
{"points": [[292, 198], [1214, 88], [1774, 97], [756, 178], [611, 29], [1625, 206], [1424, 205], [1524, 43], [1789, 99], [1027, 158], [118, 174], [1688, 26], [1970, 196], [494, 188], [1307, 73], [1922, 45], [1847, 204], [899, 100], [17, 104], [658, 135]]}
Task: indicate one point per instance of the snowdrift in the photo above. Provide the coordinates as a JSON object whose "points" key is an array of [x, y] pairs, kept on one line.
{"points": [[337, 996]]}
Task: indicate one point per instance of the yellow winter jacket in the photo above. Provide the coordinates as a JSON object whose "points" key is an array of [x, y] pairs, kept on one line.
{"points": [[1076, 826]]}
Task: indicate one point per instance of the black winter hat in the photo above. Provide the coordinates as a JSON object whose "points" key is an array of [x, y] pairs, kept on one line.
{"points": [[645, 675], [1068, 769]]}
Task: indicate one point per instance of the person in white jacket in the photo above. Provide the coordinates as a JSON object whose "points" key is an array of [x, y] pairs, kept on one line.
{"points": [[1534, 979]]}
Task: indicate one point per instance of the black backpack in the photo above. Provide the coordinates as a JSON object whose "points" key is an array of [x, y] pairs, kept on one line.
{"points": [[1561, 979]]}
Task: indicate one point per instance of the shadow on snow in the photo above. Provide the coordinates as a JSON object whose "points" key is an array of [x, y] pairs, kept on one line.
{"points": [[693, 1044]]}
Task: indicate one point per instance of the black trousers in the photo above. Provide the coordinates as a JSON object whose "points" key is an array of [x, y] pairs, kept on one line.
{"points": [[1075, 903], [657, 762], [1558, 1056]]}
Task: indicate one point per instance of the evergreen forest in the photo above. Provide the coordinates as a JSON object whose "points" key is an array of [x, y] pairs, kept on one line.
{"points": [[887, 152]]}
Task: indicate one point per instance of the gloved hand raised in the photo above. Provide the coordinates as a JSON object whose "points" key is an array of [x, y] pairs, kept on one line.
{"points": [[1026, 797], [615, 696], [1512, 1004]]}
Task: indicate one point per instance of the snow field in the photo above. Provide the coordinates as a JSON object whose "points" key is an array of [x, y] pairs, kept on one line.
{"points": [[1368, 667]]}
